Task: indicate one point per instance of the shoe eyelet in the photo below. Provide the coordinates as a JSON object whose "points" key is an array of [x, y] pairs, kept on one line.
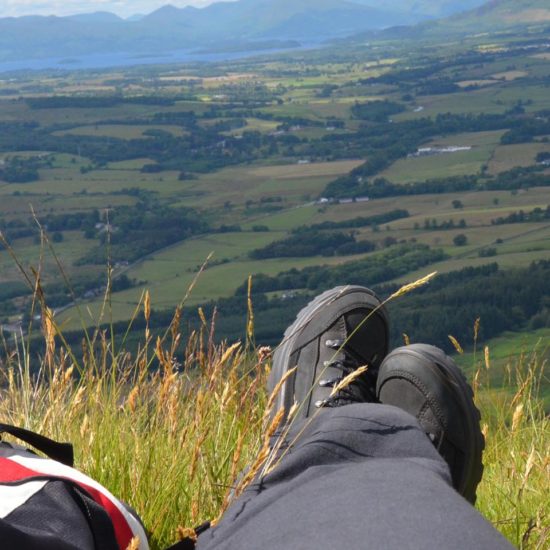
{"points": [[333, 344], [329, 382]]}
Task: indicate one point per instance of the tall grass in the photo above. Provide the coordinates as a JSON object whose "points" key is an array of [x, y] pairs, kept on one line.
{"points": [[170, 431], [167, 434], [515, 492]]}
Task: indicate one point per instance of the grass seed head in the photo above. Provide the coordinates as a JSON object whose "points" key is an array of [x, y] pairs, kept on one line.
{"points": [[476, 328], [345, 382], [132, 398], [277, 389], [518, 415], [405, 289], [456, 344], [264, 353], [487, 358], [147, 306]]}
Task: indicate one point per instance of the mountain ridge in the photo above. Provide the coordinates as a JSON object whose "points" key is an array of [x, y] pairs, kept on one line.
{"points": [[169, 28], [247, 21]]}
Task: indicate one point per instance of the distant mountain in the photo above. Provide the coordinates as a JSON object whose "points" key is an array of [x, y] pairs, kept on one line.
{"points": [[274, 19], [429, 8], [136, 17], [245, 22], [98, 17], [170, 28]]}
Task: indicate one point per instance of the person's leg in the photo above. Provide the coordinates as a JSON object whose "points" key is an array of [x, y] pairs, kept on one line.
{"points": [[359, 476], [352, 473]]}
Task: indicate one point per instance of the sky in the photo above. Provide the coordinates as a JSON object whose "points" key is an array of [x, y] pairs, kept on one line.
{"points": [[123, 8]]}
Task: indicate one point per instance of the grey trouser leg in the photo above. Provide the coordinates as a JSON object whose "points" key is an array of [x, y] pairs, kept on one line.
{"points": [[359, 476]]}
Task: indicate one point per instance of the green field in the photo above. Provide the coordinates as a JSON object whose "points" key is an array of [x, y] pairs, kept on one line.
{"points": [[255, 124], [31, 254], [506, 157], [489, 100], [294, 183], [442, 165], [506, 348], [171, 280], [503, 354], [121, 131]]}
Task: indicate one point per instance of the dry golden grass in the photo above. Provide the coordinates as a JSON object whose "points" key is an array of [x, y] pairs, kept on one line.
{"points": [[167, 432]]}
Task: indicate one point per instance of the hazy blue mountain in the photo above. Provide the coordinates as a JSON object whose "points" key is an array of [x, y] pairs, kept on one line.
{"points": [[225, 23], [281, 19], [136, 17], [170, 28], [98, 17], [429, 8]]}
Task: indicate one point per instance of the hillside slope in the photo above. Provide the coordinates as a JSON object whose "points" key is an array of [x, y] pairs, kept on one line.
{"points": [[497, 14], [428, 8]]}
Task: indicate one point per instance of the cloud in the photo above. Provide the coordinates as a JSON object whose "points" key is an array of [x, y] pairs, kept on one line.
{"points": [[124, 8]]}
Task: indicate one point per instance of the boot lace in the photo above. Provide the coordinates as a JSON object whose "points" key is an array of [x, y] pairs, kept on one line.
{"points": [[358, 391]]}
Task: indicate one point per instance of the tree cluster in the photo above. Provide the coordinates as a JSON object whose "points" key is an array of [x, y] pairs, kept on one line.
{"points": [[536, 215], [313, 243], [394, 262], [136, 231], [360, 221]]}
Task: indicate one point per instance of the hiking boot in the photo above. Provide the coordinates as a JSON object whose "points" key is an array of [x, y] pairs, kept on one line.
{"points": [[426, 383], [333, 336]]}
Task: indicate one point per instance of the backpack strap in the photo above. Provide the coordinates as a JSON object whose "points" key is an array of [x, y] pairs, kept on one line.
{"points": [[190, 542], [61, 452]]}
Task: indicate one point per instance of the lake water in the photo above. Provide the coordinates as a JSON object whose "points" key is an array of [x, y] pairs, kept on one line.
{"points": [[105, 61]]}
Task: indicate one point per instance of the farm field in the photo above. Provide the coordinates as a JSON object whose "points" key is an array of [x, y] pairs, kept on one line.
{"points": [[169, 274], [504, 352], [246, 153], [423, 168], [122, 131], [506, 157], [486, 152], [480, 206], [171, 281], [507, 347], [488, 100], [293, 183]]}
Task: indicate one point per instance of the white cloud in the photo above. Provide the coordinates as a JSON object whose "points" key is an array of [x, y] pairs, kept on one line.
{"points": [[124, 8]]}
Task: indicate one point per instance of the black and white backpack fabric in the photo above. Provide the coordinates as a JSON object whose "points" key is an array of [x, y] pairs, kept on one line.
{"points": [[48, 505]]}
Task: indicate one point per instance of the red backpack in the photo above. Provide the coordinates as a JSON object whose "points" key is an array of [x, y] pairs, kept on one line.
{"points": [[46, 504]]}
